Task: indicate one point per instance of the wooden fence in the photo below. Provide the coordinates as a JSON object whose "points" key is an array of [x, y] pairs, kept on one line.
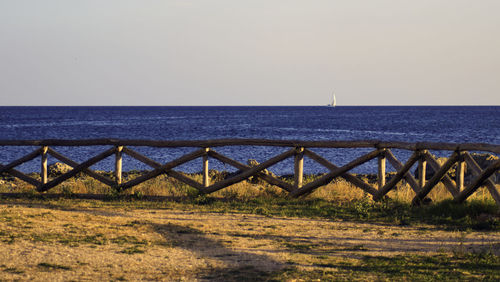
{"points": [[298, 150]]}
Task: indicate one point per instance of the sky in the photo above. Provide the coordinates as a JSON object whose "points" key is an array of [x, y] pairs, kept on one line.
{"points": [[259, 52]]}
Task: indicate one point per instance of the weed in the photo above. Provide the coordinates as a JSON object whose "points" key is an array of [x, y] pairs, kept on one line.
{"points": [[132, 250], [300, 247], [97, 239], [126, 239], [52, 266], [138, 195], [359, 247], [262, 211], [13, 270]]}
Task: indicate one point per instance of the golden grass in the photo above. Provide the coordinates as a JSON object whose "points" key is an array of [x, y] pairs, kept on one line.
{"points": [[76, 241], [338, 190]]}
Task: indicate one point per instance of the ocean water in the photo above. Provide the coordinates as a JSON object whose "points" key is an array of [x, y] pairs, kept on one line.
{"points": [[411, 124]]}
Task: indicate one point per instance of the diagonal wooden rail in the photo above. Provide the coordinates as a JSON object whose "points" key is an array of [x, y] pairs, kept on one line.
{"points": [[382, 151]]}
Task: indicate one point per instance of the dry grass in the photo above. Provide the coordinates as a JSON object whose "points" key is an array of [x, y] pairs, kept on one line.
{"points": [[77, 241], [338, 189], [73, 239]]}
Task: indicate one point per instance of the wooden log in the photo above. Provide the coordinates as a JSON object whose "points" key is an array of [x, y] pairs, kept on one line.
{"points": [[476, 170], [118, 164], [26, 158], [299, 167], [422, 170], [397, 145], [399, 166], [60, 142], [399, 175], [250, 172], [381, 169], [206, 179], [479, 147], [478, 181], [21, 176], [347, 176], [141, 158], [268, 178], [164, 168], [251, 142], [103, 179], [438, 175], [460, 173], [154, 164], [447, 181], [308, 188], [436, 146], [43, 170], [185, 179], [75, 170], [260, 142]]}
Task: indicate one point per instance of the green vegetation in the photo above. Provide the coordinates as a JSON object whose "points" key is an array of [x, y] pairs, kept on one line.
{"points": [[94, 220], [52, 266], [473, 214], [458, 267]]}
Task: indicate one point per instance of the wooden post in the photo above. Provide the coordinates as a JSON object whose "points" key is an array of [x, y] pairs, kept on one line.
{"points": [[438, 175], [299, 167], [118, 164], [206, 180], [422, 169], [43, 172], [460, 173], [381, 169]]}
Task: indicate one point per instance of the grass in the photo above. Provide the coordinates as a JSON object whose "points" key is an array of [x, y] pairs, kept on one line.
{"points": [[464, 267], [118, 228], [52, 266], [133, 250], [338, 200], [93, 223]]}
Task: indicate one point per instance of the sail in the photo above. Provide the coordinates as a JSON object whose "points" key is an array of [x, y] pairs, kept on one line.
{"points": [[334, 101]]}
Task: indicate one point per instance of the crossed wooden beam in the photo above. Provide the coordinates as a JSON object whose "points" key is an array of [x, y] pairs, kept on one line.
{"points": [[420, 187]]}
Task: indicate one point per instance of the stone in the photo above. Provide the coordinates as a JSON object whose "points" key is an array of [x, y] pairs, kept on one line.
{"points": [[57, 169], [256, 180]]}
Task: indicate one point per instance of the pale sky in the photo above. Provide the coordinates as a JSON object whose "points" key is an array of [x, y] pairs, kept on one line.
{"points": [[227, 52]]}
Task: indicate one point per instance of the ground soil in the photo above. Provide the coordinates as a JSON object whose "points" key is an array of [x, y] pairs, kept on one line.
{"points": [[42, 243]]}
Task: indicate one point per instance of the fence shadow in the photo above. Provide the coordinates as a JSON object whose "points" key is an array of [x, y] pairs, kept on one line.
{"points": [[238, 265]]}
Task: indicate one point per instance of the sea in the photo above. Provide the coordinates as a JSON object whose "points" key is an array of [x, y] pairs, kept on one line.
{"points": [[460, 124]]}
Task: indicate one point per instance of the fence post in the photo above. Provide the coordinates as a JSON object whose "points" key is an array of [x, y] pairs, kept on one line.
{"points": [[118, 164], [460, 172], [381, 169], [206, 180], [299, 167], [422, 167], [43, 172]]}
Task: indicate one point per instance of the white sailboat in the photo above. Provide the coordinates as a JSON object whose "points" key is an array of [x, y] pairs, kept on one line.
{"points": [[334, 101]]}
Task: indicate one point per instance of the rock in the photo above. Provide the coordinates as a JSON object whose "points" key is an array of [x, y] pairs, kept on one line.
{"points": [[429, 171], [7, 177], [484, 160], [256, 180], [57, 169]]}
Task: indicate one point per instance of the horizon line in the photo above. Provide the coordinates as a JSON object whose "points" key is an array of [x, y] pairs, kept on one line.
{"points": [[447, 105]]}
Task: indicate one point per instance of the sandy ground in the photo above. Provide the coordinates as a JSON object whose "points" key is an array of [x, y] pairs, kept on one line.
{"points": [[84, 243]]}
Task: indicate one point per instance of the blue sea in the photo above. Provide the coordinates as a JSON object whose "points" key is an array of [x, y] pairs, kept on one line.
{"points": [[391, 123]]}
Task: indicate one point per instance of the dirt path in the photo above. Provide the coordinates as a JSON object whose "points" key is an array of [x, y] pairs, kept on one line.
{"points": [[40, 243]]}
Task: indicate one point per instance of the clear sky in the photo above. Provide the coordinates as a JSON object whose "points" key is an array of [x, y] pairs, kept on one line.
{"points": [[226, 52]]}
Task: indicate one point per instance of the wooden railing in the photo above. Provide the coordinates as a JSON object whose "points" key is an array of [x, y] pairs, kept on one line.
{"points": [[298, 149]]}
